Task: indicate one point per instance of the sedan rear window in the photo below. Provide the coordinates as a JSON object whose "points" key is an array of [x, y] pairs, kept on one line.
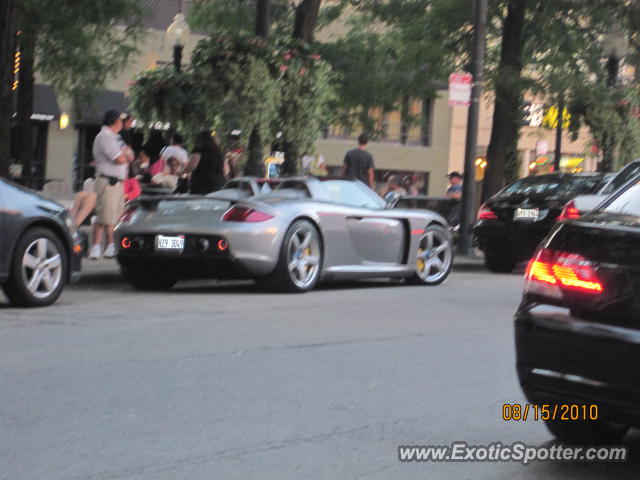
{"points": [[554, 185], [628, 203]]}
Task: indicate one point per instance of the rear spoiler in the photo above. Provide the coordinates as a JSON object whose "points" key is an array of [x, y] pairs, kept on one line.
{"points": [[152, 201]]}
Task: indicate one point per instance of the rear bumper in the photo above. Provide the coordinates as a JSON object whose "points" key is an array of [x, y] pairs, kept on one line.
{"points": [[563, 359], [249, 254], [519, 240]]}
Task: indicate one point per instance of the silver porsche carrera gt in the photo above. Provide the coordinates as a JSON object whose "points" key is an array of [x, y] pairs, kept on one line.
{"points": [[288, 236]]}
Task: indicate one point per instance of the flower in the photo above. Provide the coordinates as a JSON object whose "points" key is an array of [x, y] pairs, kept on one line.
{"points": [[287, 56], [283, 68], [316, 56], [302, 71]]}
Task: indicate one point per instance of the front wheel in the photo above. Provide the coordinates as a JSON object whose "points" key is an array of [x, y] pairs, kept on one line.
{"points": [[300, 261], [434, 257], [38, 269]]}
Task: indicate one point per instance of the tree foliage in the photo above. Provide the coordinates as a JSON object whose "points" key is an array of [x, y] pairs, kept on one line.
{"points": [[79, 50], [245, 83], [536, 46], [238, 17]]}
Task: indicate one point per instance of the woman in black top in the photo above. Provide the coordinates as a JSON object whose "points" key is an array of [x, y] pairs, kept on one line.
{"points": [[206, 164]]}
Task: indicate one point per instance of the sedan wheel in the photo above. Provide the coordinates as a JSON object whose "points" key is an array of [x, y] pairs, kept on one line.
{"points": [[434, 257], [300, 261], [38, 270]]}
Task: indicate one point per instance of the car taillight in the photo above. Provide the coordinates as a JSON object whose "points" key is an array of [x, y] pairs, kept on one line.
{"points": [[569, 212], [551, 273], [128, 213], [485, 213], [244, 214]]}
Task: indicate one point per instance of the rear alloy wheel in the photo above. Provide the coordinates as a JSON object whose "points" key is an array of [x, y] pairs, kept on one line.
{"points": [[149, 279], [300, 260], [595, 432], [434, 257], [38, 270], [499, 262]]}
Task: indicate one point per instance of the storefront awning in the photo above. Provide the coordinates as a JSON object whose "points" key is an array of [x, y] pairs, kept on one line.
{"points": [[45, 104], [91, 113]]}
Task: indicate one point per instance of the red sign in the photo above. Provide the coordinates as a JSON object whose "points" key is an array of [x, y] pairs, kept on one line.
{"points": [[460, 84]]}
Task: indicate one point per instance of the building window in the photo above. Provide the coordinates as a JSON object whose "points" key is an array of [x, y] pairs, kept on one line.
{"points": [[412, 128]]}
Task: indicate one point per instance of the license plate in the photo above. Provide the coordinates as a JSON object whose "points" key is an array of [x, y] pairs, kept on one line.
{"points": [[526, 214], [169, 243]]}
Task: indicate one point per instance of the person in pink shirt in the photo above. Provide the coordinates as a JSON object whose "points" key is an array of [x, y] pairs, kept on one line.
{"points": [[132, 188]]}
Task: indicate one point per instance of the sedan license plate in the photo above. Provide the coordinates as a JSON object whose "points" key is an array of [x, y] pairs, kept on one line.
{"points": [[526, 214], [170, 244]]}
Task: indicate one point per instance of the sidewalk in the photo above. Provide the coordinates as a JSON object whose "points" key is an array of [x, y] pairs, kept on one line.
{"points": [[462, 263]]}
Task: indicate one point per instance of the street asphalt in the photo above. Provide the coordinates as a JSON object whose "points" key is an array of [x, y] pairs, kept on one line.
{"points": [[219, 380]]}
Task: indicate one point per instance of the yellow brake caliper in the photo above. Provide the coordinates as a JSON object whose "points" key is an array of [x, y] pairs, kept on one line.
{"points": [[420, 261]]}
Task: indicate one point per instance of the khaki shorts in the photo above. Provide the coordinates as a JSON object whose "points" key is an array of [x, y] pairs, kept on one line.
{"points": [[110, 202]]}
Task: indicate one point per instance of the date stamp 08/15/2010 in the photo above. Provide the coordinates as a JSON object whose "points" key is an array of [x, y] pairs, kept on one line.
{"points": [[544, 412]]}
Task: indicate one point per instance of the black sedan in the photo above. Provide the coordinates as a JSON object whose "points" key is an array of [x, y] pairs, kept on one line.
{"points": [[512, 223], [39, 247], [578, 326]]}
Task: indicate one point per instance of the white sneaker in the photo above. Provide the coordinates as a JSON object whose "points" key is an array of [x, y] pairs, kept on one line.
{"points": [[94, 253], [110, 251]]}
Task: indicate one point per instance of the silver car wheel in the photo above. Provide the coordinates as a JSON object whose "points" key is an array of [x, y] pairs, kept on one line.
{"points": [[303, 256], [42, 267], [434, 256]]}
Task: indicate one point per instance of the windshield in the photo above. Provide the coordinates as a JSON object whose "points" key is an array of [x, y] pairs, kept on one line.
{"points": [[553, 185], [628, 203], [624, 175], [352, 194]]}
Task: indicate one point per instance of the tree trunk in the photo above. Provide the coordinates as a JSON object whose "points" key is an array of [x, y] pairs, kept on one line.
{"points": [[24, 138], [7, 51], [405, 118], [254, 164], [505, 131], [291, 164], [306, 20], [263, 18]]}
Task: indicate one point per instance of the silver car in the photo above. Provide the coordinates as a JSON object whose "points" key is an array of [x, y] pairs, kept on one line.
{"points": [[303, 231]]}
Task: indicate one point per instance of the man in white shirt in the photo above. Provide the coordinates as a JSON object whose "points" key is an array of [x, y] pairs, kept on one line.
{"points": [[112, 157]]}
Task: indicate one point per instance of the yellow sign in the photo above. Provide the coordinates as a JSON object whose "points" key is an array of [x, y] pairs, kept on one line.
{"points": [[550, 119]]}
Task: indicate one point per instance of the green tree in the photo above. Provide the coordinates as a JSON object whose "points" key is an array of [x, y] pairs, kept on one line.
{"points": [[238, 17], [76, 52], [530, 42]]}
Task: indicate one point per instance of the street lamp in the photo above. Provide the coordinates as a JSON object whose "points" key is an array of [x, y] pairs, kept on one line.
{"points": [[177, 35], [614, 47]]}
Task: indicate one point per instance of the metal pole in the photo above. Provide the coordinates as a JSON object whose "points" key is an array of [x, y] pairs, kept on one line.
{"points": [[469, 184], [177, 57], [558, 149]]}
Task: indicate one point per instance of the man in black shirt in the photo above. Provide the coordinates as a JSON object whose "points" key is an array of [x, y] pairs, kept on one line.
{"points": [[358, 163]]}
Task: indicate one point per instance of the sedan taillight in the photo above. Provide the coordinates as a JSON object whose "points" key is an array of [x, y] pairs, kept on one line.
{"points": [[569, 212], [238, 213], [485, 213], [551, 273]]}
